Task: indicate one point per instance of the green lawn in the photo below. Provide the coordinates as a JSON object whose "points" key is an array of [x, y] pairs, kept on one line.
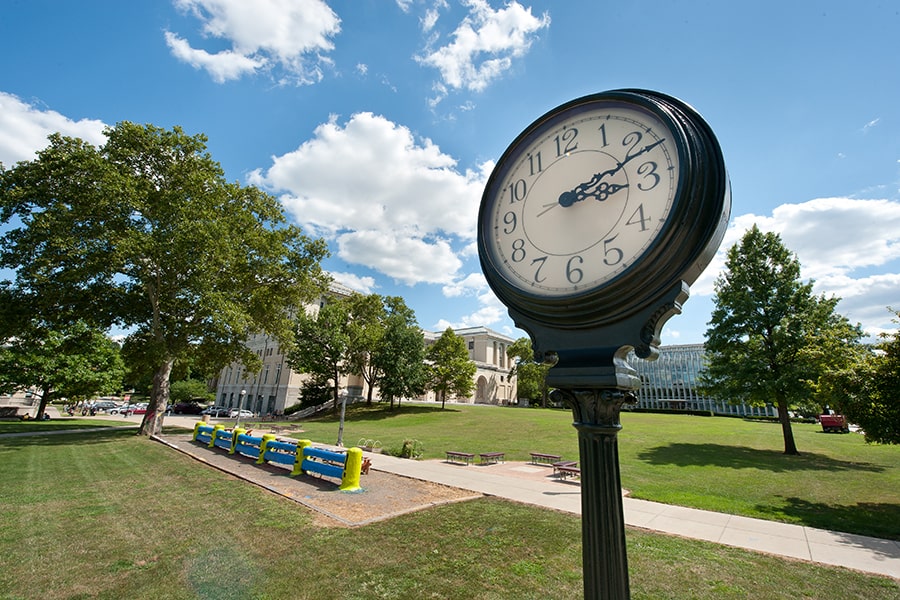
{"points": [[716, 463], [110, 515], [17, 426]]}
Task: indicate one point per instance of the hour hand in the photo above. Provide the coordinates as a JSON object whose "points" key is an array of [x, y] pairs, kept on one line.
{"points": [[602, 192], [567, 199]]}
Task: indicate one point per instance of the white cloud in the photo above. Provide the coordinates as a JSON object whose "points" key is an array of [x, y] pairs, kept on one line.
{"points": [[24, 129], [292, 34], [870, 125], [394, 203], [850, 247], [467, 286], [361, 284], [490, 310], [408, 259], [483, 46], [222, 66]]}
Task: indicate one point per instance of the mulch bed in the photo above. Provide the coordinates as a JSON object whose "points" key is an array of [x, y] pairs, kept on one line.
{"points": [[382, 495]]}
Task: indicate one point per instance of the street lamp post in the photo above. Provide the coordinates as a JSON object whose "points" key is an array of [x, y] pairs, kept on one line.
{"points": [[340, 440], [240, 408]]}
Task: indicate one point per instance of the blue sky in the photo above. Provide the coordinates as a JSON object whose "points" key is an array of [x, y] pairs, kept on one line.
{"points": [[377, 122]]}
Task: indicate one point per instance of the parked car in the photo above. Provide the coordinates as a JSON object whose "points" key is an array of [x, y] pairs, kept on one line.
{"points": [[105, 405], [123, 409], [243, 412], [187, 408], [216, 411]]}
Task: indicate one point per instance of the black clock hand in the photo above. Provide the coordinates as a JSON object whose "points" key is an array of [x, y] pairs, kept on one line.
{"points": [[604, 190]]}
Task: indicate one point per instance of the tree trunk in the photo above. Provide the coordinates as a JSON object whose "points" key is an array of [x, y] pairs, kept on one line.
{"points": [[159, 398], [45, 399], [784, 418]]}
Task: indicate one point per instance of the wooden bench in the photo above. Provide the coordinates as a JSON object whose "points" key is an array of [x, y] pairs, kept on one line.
{"points": [[540, 457], [565, 471], [460, 457], [563, 464], [488, 458]]}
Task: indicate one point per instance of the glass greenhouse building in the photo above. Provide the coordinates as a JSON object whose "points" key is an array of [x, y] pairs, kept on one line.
{"points": [[671, 383]]}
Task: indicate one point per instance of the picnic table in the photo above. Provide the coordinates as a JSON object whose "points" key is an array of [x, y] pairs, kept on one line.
{"points": [[540, 457], [566, 468], [460, 457], [488, 458]]}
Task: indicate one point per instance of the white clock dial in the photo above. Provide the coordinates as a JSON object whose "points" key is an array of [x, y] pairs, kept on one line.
{"points": [[583, 198]]}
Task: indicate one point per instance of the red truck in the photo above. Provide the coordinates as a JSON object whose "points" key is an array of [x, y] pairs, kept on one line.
{"points": [[834, 424]]}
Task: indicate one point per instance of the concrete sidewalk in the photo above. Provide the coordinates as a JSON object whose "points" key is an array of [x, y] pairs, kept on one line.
{"points": [[871, 555]]}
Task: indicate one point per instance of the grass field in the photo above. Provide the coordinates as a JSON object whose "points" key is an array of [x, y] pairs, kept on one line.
{"points": [[715, 463], [723, 464], [110, 515]]}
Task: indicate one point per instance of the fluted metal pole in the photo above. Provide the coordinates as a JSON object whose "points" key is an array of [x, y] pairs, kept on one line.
{"points": [[604, 556]]}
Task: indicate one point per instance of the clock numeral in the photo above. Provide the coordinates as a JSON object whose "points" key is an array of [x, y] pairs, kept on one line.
{"points": [[566, 142], [611, 254], [573, 273], [534, 160], [537, 274], [511, 221], [602, 129], [518, 253], [634, 138], [517, 191], [648, 170], [638, 218]]}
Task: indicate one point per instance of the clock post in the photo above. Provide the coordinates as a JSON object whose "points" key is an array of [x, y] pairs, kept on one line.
{"points": [[592, 226], [595, 381]]}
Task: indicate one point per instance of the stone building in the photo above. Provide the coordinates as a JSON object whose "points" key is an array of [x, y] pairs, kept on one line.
{"points": [[276, 386], [487, 349]]}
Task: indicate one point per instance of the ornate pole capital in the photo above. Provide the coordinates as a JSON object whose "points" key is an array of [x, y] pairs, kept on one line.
{"points": [[595, 407]]}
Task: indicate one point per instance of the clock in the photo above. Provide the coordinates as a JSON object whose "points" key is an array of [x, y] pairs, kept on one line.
{"points": [[601, 206]]}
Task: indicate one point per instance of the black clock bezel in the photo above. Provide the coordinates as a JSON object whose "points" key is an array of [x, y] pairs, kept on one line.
{"points": [[681, 249]]}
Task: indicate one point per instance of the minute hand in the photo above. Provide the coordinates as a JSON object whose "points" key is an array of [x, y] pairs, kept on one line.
{"points": [[580, 192]]}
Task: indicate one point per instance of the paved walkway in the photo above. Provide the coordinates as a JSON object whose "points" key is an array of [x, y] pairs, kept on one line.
{"points": [[523, 482], [862, 553]]}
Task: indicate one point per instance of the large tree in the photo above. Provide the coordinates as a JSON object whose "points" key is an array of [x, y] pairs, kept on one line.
{"points": [[145, 233], [451, 371], [73, 362], [321, 344], [366, 331], [867, 391], [400, 356], [767, 331], [531, 377]]}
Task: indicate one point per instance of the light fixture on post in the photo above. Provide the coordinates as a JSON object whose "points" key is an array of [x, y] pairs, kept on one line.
{"points": [[240, 408]]}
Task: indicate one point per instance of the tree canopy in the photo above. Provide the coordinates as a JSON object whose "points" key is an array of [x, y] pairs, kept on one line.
{"points": [[400, 356], [451, 371], [72, 361], [144, 233], [370, 335], [531, 377], [867, 391], [768, 332], [321, 344]]}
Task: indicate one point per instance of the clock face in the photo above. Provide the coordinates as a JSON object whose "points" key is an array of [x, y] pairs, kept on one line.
{"points": [[581, 197]]}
